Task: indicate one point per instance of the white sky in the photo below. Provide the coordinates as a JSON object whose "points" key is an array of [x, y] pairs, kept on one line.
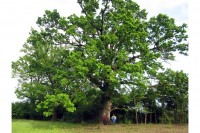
{"points": [[18, 16]]}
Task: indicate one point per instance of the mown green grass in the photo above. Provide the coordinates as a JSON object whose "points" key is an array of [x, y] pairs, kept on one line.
{"points": [[31, 126]]}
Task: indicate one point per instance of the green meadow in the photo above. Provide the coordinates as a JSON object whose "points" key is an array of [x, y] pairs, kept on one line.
{"points": [[32, 126]]}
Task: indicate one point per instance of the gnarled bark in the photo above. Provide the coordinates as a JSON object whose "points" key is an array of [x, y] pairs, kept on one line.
{"points": [[107, 109]]}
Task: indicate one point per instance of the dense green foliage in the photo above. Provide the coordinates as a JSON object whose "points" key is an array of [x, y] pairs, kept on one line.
{"points": [[109, 59]]}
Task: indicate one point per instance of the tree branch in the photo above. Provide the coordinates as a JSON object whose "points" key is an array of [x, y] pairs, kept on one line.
{"points": [[116, 108], [102, 17]]}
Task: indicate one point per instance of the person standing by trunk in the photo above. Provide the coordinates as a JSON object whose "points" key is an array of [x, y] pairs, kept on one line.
{"points": [[113, 119], [105, 119]]}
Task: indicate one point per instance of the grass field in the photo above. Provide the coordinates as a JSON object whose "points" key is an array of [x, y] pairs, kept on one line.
{"points": [[31, 126]]}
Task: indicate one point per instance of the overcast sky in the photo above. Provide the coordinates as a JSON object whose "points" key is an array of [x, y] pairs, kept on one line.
{"points": [[18, 16]]}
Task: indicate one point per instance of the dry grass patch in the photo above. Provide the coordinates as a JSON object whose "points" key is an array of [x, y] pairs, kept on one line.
{"points": [[132, 128]]}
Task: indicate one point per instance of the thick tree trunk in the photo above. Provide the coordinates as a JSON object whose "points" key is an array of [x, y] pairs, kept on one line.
{"points": [[54, 116], [107, 104]]}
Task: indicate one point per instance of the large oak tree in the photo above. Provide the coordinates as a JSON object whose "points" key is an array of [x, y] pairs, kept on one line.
{"points": [[111, 47]]}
